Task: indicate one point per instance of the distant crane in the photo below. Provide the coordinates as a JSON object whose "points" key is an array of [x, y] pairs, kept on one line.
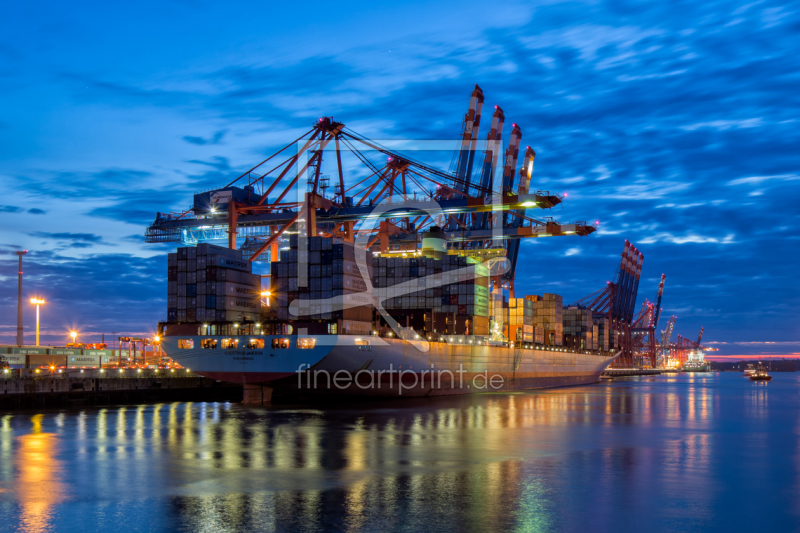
{"points": [[644, 328], [617, 301], [664, 341]]}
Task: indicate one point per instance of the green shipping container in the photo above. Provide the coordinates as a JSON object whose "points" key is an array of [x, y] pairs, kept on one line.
{"points": [[481, 310], [481, 291], [34, 350], [65, 351], [105, 353]]}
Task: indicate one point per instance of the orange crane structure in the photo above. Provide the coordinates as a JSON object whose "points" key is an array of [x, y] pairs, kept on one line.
{"points": [[381, 193]]}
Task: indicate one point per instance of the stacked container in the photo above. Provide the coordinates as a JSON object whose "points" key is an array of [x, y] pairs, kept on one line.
{"points": [[316, 270], [453, 286], [211, 284], [603, 334], [579, 327], [520, 320], [548, 315]]}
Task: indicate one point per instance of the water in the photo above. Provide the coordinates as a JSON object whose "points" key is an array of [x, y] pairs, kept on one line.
{"points": [[711, 452]]}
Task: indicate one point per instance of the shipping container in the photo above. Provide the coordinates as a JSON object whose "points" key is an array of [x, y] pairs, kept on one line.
{"points": [[228, 288], [236, 303], [221, 261]]}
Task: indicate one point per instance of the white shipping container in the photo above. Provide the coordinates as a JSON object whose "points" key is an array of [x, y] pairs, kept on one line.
{"points": [[238, 290], [353, 327], [206, 249], [222, 261], [353, 283], [245, 278], [357, 298], [234, 303]]}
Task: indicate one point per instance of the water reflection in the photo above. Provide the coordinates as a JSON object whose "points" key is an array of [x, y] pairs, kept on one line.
{"points": [[599, 457], [38, 483]]}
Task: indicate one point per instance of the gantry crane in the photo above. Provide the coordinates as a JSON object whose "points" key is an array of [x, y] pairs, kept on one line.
{"points": [[617, 301], [664, 342], [387, 195]]}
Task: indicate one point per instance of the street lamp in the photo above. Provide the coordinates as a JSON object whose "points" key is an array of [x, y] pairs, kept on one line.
{"points": [[37, 302]]}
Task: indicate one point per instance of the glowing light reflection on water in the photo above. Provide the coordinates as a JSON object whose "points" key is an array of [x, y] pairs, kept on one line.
{"points": [[678, 452]]}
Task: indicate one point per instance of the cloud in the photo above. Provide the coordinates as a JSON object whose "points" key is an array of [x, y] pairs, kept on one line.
{"points": [[215, 139], [758, 180], [9, 209], [688, 238], [84, 237], [724, 125], [37, 211], [572, 251]]}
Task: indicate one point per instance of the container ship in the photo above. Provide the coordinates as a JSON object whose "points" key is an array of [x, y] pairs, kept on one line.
{"points": [[401, 282], [413, 326]]}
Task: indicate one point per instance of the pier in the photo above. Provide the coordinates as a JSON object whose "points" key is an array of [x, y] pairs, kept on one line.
{"points": [[105, 388], [623, 372]]}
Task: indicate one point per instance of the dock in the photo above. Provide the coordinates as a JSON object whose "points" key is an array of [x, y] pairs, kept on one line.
{"points": [[624, 372], [107, 388]]}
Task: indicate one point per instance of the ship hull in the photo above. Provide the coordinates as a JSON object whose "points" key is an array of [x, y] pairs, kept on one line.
{"points": [[352, 366]]}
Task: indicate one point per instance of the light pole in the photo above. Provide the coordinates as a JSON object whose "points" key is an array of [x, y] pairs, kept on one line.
{"points": [[73, 334], [37, 302], [19, 299]]}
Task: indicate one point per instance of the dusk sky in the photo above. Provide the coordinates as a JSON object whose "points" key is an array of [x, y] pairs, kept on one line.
{"points": [[673, 124]]}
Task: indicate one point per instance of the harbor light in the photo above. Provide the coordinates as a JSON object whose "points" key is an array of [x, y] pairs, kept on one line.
{"points": [[73, 334], [37, 302]]}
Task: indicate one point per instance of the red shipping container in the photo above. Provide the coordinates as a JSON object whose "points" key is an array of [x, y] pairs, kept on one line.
{"points": [[462, 309], [454, 299]]}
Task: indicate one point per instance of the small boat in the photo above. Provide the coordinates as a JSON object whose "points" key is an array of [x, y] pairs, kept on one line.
{"points": [[760, 374], [749, 371]]}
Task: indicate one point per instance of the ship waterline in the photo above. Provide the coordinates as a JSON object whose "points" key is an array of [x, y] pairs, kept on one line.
{"points": [[373, 366]]}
